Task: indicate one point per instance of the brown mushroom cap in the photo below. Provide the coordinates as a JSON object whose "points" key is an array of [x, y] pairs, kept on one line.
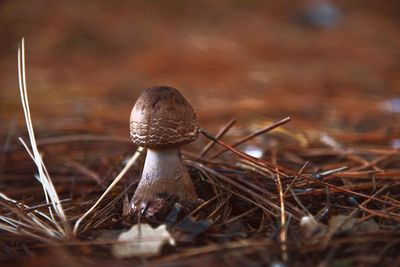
{"points": [[161, 117]]}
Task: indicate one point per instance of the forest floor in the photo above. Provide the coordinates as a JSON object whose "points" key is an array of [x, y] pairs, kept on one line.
{"points": [[323, 189]]}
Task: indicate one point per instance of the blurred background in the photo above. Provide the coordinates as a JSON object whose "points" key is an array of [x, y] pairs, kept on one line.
{"points": [[330, 65]]}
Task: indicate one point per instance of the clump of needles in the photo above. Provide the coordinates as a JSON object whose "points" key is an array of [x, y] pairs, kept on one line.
{"points": [[322, 203]]}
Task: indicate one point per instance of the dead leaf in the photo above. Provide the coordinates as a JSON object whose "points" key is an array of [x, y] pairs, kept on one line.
{"points": [[141, 241]]}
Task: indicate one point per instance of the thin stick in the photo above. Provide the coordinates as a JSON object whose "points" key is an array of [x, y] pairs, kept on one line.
{"points": [[131, 161], [238, 216], [295, 178], [205, 204], [251, 136], [282, 231], [221, 133]]}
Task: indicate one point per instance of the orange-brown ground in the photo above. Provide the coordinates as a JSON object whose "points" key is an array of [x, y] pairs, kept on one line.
{"points": [[87, 61]]}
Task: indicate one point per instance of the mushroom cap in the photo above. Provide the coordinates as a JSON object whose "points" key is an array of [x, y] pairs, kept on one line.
{"points": [[161, 117]]}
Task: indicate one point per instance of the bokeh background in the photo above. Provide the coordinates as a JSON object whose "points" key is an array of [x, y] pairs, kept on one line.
{"points": [[329, 65]]}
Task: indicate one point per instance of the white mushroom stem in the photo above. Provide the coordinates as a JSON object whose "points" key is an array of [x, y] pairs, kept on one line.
{"points": [[164, 174]]}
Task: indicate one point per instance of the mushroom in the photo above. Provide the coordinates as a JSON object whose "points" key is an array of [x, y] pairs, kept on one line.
{"points": [[162, 121]]}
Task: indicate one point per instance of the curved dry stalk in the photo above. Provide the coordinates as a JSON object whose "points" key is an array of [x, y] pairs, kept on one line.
{"points": [[50, 193], [131, 161]]}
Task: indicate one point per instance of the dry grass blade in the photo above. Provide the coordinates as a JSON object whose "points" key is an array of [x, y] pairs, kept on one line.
{"points": [[129, 164], [60, 228]]}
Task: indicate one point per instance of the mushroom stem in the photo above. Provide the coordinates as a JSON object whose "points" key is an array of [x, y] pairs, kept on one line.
{"points": [[164, 175]]}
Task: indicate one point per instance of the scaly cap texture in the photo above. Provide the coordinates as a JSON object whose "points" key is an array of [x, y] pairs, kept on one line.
{"points": [[161, 117]]}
